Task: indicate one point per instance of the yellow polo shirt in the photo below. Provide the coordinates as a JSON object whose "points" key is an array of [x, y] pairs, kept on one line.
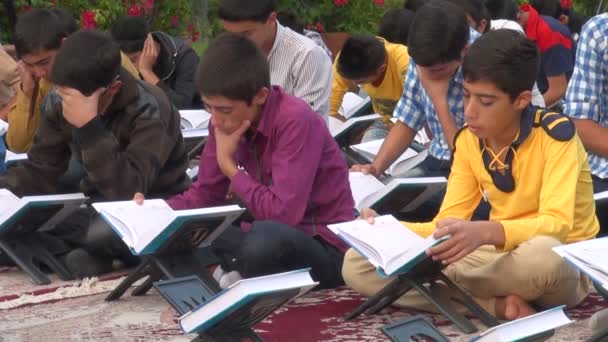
{"points": [[384, 97], [552, 193]]}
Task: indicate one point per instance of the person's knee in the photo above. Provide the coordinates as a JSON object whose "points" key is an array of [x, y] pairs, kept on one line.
{"points": [[356, 271]]}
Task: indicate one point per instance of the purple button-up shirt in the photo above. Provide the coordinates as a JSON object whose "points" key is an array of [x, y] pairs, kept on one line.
{"points": [[292, 172]]}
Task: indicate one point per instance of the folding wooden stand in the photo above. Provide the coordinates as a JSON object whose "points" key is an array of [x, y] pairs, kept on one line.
{"points": [[187, 293], [22, 242], [427, 272], [179, 256]]}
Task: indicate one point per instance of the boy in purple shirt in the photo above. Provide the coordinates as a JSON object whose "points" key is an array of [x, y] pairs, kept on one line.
{"points": [[274, 153]]}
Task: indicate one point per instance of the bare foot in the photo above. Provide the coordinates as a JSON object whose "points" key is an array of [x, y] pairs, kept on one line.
{"points": [[513, 307]]}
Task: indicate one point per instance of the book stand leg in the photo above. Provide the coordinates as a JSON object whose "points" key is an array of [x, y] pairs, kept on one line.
{"points": [[168, 266], [29, 253], [416, 279]]}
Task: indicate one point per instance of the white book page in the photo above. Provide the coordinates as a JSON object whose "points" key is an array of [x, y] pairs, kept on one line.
{"points": [[397, 166], [350, 104], [362, 186], [3, 127], [9, 204], [334, 125], [370, 150], [195, 133], [13, 157], [195, 118], [600, 195], [54, 198], [594, 253], [528, 326], [387, 237], [143, 222]]}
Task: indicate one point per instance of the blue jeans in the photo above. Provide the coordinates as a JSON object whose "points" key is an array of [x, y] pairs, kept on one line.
{"points": [[2, 156], [375, 131]]}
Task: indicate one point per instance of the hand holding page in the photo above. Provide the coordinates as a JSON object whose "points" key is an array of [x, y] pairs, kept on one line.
{"points": [[387, 244], [399, 195], [405, 162]]}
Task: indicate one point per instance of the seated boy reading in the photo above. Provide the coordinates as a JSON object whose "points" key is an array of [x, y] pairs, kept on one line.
{"points": [[378, 67], [38, 35], [532, 169], [125, 134], [266, 148]]}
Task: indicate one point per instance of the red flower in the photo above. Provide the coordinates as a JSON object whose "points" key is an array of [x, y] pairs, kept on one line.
{"points": [[134, 11], [147, 6], [340, 3], [174, 20], [378, 2], [319, 27], [87, 20]]}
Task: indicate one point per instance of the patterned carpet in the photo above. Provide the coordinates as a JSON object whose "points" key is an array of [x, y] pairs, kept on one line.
{"points": [[72, 311]]}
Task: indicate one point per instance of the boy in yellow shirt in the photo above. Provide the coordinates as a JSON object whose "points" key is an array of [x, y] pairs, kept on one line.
{"points": [[532, 169], [38, 36], [378, 67]]}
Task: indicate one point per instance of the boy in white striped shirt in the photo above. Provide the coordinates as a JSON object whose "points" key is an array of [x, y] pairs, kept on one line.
{"points": [[297, 64]]}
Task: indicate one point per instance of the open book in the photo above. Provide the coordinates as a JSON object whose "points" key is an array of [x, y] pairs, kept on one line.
{"points": [[387, 244], [247, 301], [12, 207], [195, 123], [353, 105], [191, 119], [145, 228], [591, 257], [527, 327], [407, 161], [352, 126], [3, 127], [12, 157], [601, 196], [398, 195]]}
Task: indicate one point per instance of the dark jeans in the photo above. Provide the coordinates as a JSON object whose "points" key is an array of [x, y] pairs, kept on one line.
{"points": [[601, 209], [271, 247]]}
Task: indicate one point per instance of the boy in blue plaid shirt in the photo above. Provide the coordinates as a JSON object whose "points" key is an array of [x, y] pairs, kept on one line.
{"points": [[586, 102], [432, 94]]}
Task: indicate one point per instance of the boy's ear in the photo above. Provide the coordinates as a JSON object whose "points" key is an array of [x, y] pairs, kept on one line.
{"points": [[523, 100], [115, 87], [260, 98]]}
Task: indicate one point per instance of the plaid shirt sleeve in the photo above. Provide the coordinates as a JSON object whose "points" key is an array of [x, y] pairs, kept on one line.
{"points": [[410, 109], [590, 77]]}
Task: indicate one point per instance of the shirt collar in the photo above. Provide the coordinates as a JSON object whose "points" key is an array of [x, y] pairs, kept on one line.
{"points": [[278, 39], [269, 112]]}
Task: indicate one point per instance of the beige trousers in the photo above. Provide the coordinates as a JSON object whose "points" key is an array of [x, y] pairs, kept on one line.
{"points": [[532, 271]]}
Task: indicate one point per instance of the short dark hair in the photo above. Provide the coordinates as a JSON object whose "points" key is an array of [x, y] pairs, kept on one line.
{"points": [[69, 23], [91, 53], [395, 25], [502, 9], [130, 33], [504, 58], [361, 56], [246, 10], [289, 19], [223, 70], [438, 34], [38, 29], [476, 9], [414, 5], [551, 8]]}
